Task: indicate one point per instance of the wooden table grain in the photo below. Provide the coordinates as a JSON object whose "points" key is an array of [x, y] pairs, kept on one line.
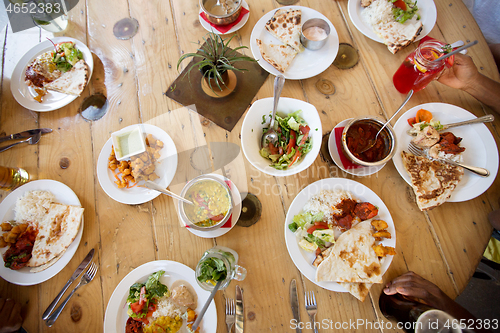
{"points": [[443, 245]]}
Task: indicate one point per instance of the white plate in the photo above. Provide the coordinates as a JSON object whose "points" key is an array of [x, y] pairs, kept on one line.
{"points": [[480, 147], [427, 11], [166, 166], [63, 195], [53, 100], [116, 311], [302, 259], [251, 133], [332, 148], [235, 28], [234, 217], [307, 63]]}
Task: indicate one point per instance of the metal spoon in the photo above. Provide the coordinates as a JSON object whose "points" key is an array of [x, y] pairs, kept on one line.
{"points": [[372, 142], [271, 135], [484, 119], [32, 141], [156, 187], [205, 307]]}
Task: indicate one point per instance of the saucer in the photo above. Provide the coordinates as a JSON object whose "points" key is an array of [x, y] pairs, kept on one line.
{"points": [[334, 153], [235, 28]]}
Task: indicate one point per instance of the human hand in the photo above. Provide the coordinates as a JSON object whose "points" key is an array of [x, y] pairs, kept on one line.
{"points": [[10, 315], [419, 289], [462, 75]]}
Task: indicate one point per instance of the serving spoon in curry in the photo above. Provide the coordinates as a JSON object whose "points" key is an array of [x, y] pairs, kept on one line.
{"points": [[372, 142]]}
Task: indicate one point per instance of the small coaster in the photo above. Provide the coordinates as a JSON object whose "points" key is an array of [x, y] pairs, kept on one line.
{"points": [[225, 111]]}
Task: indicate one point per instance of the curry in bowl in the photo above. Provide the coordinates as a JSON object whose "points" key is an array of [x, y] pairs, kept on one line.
{"points": [[211, 203]]}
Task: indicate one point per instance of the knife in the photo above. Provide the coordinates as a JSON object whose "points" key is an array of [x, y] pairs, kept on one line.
{"points": [[25, 134], [240, 311], [77, 272], [294, 302]]}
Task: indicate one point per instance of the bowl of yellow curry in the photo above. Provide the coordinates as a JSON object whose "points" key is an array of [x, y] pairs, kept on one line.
{"points": [[212, 203]]}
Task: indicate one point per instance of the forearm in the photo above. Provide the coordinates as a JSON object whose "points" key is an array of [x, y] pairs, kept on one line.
{"points": [[487, 91]]}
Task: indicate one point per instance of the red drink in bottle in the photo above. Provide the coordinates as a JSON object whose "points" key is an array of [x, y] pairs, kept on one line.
{"points": [[419, 69]]}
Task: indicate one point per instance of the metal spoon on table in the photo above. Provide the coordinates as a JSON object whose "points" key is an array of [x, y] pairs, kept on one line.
{"points": [[149, 184], [372, 142], [271, 136]]}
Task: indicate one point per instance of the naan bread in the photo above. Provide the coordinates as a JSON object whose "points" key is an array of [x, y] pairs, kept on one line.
{"points": [[352, 258], [73, 81], [396, 35], [433, 182], [285, 25], [56, 231], [358, 290], [279, 56], [47, 265]]}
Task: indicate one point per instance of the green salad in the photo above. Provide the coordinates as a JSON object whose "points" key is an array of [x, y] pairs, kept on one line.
{"points": [[66, 56], [294, 141], [143, 297], [404, 10]]}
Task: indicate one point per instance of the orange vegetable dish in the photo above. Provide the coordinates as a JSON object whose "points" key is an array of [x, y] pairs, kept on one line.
{"points": [[140, 167]]}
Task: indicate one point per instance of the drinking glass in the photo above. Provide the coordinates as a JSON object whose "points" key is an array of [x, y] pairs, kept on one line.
{"points": [[419, 68], [50, 15], [10, 178], [230, 259]]}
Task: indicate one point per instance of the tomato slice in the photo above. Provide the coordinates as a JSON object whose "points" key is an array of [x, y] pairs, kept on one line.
{"points": [[400, 4], [273, 149], [136, 307], [315, 227], [295, 157], [412, 121]]}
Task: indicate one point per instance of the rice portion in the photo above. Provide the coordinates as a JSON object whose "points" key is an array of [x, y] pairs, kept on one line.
{"points": [[166, 308], [33, 206], [325, 201], [379, 12]]}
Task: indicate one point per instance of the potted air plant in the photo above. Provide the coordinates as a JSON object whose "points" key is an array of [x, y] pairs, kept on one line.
{"points": [[216, 60]]}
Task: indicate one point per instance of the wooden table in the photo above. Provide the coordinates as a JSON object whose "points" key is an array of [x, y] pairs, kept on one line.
{"points": [[443, 245]]}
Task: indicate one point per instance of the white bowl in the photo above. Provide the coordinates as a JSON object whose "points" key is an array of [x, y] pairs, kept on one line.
{"points": [[251, 133]]}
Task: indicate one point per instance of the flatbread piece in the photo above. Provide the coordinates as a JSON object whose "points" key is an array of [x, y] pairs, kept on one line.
{"points": [[56, 231], [285, 25], [73, 81], [433, 182], [279, 56], [396, 35], [352, 258]]}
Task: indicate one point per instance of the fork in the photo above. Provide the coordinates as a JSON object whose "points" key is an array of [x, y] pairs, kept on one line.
{"points": [[311, 307], [86, 278], [417, 151], [230, 311], [33, 140]]}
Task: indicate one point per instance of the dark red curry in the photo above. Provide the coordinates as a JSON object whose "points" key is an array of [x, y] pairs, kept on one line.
{"points": [[18, 254], [358, 137]]}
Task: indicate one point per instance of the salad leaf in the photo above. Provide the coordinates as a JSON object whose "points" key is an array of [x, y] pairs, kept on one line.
{"points": [[154, 287], [212, 269], [293, 124], [302, 220], [313, 239], [326, 235], [134, 292]]}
